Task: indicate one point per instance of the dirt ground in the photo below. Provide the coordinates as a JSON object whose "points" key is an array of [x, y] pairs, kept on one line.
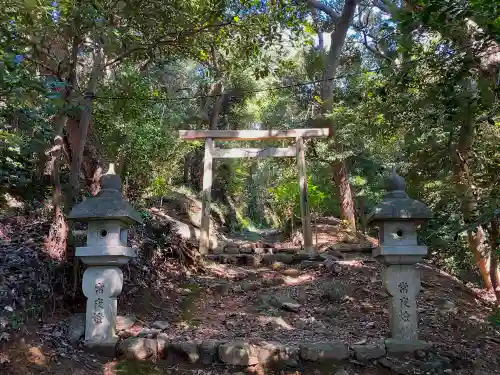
{"points": [[226, 303]]}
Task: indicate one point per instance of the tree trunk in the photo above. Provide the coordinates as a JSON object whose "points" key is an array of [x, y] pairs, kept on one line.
{"points": [[337, 39], [465, 187], [341, 179], [494, 257], [186, 169], [92, 162], [55, 242], [476, 239], [83, 127], [57, 238], [218, 100]]}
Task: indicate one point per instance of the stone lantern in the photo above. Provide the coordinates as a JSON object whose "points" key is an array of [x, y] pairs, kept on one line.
{"points": [[398, 217], [108, 217]]}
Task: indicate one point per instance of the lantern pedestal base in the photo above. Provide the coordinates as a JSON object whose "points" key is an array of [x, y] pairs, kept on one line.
{"points": [[395, 346], [102, 348]]}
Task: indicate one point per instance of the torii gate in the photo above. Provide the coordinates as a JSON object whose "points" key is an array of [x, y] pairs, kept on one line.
{"points": [[212, 152]]}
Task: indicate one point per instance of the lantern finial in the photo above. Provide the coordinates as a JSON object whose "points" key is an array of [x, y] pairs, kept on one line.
{"points": [[110, 180], [396, 182]]}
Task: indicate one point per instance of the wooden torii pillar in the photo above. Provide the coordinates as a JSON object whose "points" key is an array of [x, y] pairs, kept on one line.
{"points": [[212, 152]]}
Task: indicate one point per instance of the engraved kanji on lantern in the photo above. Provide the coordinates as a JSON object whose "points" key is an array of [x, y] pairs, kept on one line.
{"points": [[398, 218], [108, 217]]}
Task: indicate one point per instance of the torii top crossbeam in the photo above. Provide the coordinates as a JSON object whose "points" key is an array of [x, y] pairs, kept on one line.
{"points": [[243, 135]]}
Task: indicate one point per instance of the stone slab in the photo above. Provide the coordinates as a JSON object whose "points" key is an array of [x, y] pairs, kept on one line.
{"points": [[208, 351], [239, 353], [138, 348], [324, 351], [102, 348], [161, 324], [368, 352], [189, 350], [395, 346]]}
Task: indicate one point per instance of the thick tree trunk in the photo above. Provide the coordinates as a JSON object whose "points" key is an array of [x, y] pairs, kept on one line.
{"points": [[339, 168], [341, 179], [337, 40], [494, 256], [83, 127], [465, 187], [57, 239], [218, 91], [92, 160], [476, 239]]}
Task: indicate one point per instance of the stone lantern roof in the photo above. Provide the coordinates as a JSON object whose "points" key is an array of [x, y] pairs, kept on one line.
{"points": [[397, 205], [107, 204]]}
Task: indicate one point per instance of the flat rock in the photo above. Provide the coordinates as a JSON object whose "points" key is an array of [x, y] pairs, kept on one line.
{"points": [[248, 286], [290, 363], [138, 348], [324, 351], [76, 328], [124, 322], [231, 249], [331, 312], [397, 369], [189, 350], [280, 301], [161, 324], [405, 346], [368, 352], [301, 256], [208, 351], [221, 289], [162, 344], [274, 352], [273, 281], [268, 259], [278, 322], [334, 291], [341, 372], [291, 306], [252, 260], [239, 353], [149, 332], [311, 264], [104, 349], [292, 272], [284, 258]]}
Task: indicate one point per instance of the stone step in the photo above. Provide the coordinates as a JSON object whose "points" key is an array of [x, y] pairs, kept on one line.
{"points": [[280, 260], [245, 353], [340, 247]]}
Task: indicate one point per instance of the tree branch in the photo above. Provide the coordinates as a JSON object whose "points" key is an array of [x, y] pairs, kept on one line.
{"points": [[324, 8], [384, 6], [171, 38], [374, 49], [337, 40]]}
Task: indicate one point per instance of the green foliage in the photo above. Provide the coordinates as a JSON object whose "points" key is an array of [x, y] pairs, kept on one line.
{"points": [[285, 198]]}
